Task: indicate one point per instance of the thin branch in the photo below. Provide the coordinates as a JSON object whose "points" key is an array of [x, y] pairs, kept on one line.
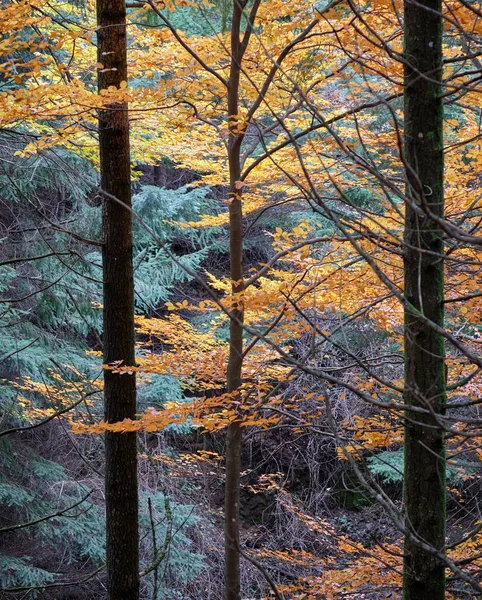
{"points": [[58, 513]]}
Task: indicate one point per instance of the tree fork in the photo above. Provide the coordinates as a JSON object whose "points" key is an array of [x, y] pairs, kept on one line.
{"points": [[425, 380], [118, 314]]}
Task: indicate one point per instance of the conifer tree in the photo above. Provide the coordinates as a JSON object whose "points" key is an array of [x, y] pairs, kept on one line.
{"points": [[119, 389], [425, 386]]}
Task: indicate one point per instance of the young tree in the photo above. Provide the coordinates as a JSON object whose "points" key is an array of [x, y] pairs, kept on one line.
{"points": [[235, 360], [118, 316]]}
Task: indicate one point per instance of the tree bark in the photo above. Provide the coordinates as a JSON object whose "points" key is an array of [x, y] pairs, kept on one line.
{"points": [[235, 362], [118, 315], [425, 380]]}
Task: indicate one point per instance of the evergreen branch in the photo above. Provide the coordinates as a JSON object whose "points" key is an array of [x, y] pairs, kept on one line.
{"points": [[29, 588], [47, 419], [31, 343], [12, 261], [59, 513]]}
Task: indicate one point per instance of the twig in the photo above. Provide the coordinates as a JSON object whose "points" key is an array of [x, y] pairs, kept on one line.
{"points": [[265, 573], [167, 540]]}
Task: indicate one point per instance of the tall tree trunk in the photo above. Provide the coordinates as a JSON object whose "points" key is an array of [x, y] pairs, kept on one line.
{"points": [[235, 362], [425, 381], [119, 390]]}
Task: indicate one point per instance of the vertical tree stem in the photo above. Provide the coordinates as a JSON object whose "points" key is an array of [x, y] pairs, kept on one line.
{"points": [[425, 380], [235, 362], [119, 390]]}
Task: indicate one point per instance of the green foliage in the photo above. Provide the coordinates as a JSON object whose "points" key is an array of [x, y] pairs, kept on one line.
{"points": [[36, 487], [361, 198], [345, 524], [47, 310], [68, 304], [182, 564], [199, 20], [155, 391], [159, 208], [14, 495], [18, 571], [80, 533], [158, 389], [157, 276], [49, 326], [35, 360], [196, 22], [25, 180], [388, 466]]}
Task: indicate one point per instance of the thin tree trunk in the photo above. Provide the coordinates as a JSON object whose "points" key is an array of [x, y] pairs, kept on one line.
{"points": [[425, 380], [235, 363], [119, 390]]}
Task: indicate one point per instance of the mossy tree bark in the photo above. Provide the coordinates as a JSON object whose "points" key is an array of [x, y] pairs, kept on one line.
{"points": [[425, 380], [118, 338]]}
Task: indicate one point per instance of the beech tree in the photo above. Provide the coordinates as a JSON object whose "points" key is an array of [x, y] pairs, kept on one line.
{"points": [[235, 360]]}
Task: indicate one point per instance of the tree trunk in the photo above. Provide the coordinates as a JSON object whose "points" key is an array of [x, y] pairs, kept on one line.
{"points": [[119, 390], [425, 380], [235, 363]]}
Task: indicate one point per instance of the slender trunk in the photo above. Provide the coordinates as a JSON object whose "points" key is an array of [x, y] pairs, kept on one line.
{"points": [[119, 390], [425, 381], [235, 363]]}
